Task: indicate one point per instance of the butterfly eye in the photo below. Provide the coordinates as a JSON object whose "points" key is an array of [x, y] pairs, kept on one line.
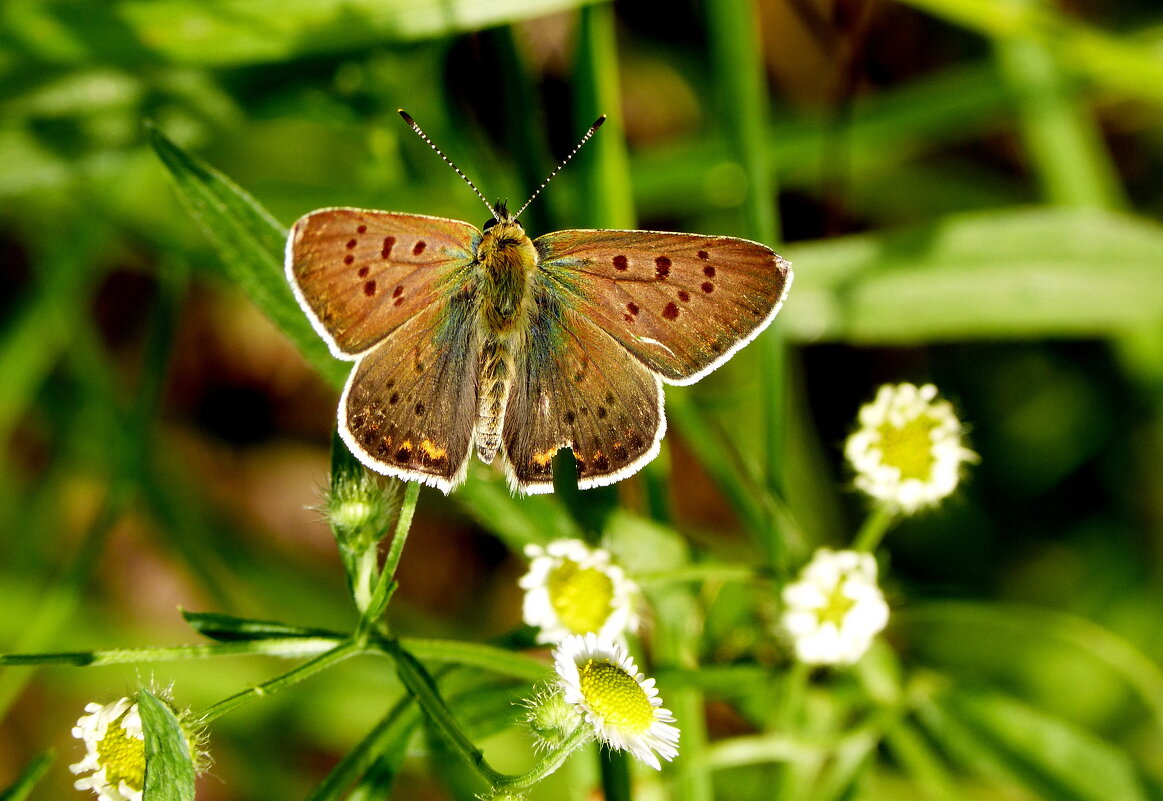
{"points": [[490, 223]]}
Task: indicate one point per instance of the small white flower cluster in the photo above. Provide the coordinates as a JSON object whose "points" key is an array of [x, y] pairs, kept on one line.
{"points": [[908, 450], [574, 589], [834, 609], [114, 751], [584, 603], [599, 678]]}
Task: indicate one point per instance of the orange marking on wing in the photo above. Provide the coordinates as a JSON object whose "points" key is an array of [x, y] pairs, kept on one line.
{"points": [[432, 450], [542, 458]]}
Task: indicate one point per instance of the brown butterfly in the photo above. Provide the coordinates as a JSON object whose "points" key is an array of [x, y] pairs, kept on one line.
{"points": [[520, 346]]}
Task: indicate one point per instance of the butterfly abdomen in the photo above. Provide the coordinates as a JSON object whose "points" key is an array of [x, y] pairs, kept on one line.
{"points": [[496, 380]]}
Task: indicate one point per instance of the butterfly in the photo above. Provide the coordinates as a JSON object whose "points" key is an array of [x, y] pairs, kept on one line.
{"points": [[465, 337]]}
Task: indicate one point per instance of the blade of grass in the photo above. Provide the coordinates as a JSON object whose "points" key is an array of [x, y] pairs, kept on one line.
{"points": [[606, 200], [26, 781], [733, 27], [607, 197], [926, 770], [251, 244], [956, 105], [1048, 756], [711, 453], [60, 604], [1063, 142], [1026, 623]]}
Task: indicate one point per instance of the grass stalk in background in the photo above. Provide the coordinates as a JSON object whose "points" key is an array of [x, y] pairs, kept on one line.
{"points": [[607, 201], [1062, 139], [738, 72], [607, 198]]}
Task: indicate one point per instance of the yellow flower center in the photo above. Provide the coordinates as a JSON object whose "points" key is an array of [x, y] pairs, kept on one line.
{"points": [[615, 696], [123, 756], [909, 448], [581, 598], [836, 607]]}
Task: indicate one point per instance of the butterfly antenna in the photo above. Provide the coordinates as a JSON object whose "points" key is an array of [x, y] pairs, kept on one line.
{"points": [[593, 129], [420, 132]]}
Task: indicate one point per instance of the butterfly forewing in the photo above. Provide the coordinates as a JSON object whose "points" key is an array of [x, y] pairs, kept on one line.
{"points": [[681, 303], [361, 274], [575, 387], [410, 405]]}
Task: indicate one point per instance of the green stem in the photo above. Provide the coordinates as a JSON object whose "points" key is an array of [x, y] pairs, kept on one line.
{"points": [[288, 679], [688, 704], [791, 701], [416, 679], [285, 647], [385, 585], [403, 526], [552, 761], [422, 687], [366, 579], [615, 768], [704, 573], [788, 717], [876, 525]]}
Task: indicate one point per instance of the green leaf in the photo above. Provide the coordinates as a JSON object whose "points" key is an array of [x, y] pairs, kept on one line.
{"points": [[227, 628], [169, 768], [251, 244], [19, 789], [1017, 743], [1016, 273]]}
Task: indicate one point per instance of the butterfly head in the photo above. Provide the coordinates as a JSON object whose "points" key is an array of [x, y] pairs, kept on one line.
{"points": [[501, 214], [502, 231]]}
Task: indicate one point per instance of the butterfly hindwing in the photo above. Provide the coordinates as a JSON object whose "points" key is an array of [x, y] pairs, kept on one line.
{"points": [[409, 407], [576, 387], [360, 274], [681, 303]]}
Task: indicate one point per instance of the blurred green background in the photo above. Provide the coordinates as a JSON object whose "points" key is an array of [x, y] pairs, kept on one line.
{"points": [[969, 191]]}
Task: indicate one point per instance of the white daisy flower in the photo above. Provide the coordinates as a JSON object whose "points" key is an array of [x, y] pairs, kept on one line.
{"points": [[908, 450], [601, 681], [574, 589], [115, 751], [834, 609]]}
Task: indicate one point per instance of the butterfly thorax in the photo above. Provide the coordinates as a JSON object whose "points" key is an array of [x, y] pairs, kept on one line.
{"points": [[507, 259]]}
